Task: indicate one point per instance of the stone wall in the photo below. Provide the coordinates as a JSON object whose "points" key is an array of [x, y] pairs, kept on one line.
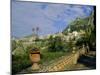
{"points": [[62, 62]]}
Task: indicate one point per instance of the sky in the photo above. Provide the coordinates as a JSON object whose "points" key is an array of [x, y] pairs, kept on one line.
{"points": [[49, 17]]}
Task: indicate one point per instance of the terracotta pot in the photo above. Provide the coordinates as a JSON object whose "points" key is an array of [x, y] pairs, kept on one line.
{"points": [[35, 58]]}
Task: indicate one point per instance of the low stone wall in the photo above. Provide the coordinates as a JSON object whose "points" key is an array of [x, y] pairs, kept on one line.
{"points": [[60, 64]]}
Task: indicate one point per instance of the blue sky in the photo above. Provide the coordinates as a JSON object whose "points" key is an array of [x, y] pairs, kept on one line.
{"points": [[50, 18]]}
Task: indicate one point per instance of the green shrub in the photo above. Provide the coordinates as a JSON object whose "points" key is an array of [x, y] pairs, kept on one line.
{"points": [[56, 44], [20, 62], [49, 56], [14, 45]]}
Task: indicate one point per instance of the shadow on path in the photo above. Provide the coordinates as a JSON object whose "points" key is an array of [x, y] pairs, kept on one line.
{"points": [[88, 60]]}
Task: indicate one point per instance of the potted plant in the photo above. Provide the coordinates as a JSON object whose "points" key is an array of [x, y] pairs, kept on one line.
{"points": [[35, 58]]}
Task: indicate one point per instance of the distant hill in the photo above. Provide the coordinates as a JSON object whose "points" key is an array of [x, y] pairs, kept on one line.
{"points": [[77, 25], [80, 24]]}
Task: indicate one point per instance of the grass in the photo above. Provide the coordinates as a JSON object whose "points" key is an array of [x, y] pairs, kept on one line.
{"points": [[47, 56]]}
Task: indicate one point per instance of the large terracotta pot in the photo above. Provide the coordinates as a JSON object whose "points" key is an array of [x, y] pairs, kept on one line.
{"points": [[35, 58]]}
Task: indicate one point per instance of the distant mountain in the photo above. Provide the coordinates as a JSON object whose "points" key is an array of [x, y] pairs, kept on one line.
{"points": [[79, 24]]}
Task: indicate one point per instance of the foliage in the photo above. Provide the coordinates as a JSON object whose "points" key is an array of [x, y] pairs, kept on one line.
{"points": [[81, 41], [87, 25], [48, 56], [56, 44], [20, 62], [20, 44], [78, 25], [37, 39], [90, 32], [14, 45]]}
